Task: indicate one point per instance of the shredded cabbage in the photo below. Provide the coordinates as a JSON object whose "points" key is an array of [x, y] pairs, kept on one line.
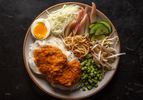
{"points": [[60, 18]]}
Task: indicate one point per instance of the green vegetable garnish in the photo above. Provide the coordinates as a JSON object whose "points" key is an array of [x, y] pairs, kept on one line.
{"points": [[99, 30], [107, 25], [91, 74], [99, 37]]}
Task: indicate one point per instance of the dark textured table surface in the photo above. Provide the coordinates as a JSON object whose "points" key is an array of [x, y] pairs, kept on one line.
{"points": [[17, 15]]}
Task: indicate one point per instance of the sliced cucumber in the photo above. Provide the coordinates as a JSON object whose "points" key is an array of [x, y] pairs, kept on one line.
{"points": [[93, 29], [97, 37], [101, 30], [96, 27], [107, 25]]}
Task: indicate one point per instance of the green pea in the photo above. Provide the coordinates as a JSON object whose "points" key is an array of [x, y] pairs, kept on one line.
{"points": [[100, 78], [95, 78], [92, 74], [85, 67], [90, 81], [86, 83], [89, 87], [82, 64], [95, 81], [92, 61], [88, 63], [95, 72], [82, 68], [98, 75]]}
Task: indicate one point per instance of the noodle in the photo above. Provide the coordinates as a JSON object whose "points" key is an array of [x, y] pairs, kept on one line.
{"points": [[79, 44]]}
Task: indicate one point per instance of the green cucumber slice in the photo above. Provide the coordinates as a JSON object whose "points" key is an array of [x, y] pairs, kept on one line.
{"points": [[107, 25], [96, 27], [91, 26], [97, 37], [102, 30]]}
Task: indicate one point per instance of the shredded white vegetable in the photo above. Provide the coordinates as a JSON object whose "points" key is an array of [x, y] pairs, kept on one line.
{"points": [[60, 18], [104, 52], [116, 55]]}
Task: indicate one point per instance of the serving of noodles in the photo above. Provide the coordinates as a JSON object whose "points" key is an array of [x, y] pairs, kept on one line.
{"points": [[79, 44]]}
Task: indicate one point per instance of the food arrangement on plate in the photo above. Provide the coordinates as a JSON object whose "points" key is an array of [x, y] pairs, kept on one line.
{"points": [[72, 48]]}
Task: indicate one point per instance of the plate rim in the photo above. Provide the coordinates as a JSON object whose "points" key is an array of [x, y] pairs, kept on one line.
{"points": [[26, 66]]}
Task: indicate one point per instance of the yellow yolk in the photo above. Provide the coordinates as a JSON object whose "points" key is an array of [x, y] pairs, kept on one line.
{"points": [[40, 30]]}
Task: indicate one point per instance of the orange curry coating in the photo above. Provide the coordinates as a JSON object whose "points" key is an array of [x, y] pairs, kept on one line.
{"points": [[71, 74], [51, 61]]}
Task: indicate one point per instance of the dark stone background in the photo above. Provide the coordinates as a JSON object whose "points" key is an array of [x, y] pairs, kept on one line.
{"points": [[17, 15]]}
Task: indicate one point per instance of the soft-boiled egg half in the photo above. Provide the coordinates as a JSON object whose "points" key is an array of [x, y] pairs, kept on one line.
{"points": [[40, 28]]}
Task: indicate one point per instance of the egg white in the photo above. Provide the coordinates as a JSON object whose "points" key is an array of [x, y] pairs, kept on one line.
{"points": [[56, 42], [53, 41], [46, 23]]}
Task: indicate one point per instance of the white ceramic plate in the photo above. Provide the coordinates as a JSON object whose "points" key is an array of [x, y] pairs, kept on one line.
{"points": [[43, 85]]}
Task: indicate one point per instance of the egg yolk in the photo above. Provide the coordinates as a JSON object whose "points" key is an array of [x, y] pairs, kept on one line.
{"points": [[40, 30]]}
